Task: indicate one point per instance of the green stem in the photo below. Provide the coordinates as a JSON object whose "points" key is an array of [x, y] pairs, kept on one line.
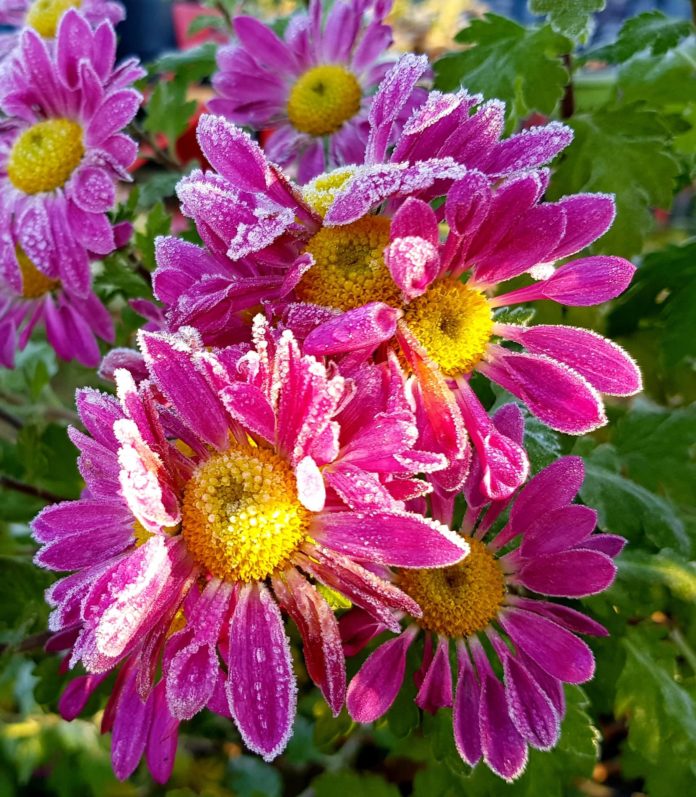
{"points": [[684, 647]]}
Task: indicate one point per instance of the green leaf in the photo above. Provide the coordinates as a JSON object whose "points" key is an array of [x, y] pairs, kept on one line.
{"points": [[519, 65], [623, 150], [117, 278], [627, 508], [331, 784], [251, 777], [168, 110], [34, 368], [572, 18], [206, 22], [189, 66], [22, 605], [665, 567], [543, 445], [159, 186], [661, 299], [158, 222], [651, 31], [663, 79], [661, 715]]}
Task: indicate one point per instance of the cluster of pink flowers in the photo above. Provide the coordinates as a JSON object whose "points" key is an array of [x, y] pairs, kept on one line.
{"points": [[303, 420]]}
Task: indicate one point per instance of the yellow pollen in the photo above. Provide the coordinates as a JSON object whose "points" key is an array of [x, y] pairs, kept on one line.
{"points": [[241, 518], [320, 192], [45, 155], [349, 270], [453, 323], [142, 535], [323, 99], [461, 600], [44, 15], [34, 282]]}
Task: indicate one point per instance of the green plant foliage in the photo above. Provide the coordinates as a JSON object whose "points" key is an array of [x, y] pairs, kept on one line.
{"points": [[505, 60], [572, 18]]}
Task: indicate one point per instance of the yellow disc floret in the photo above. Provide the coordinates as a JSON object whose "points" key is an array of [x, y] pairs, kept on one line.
{"points": [[44, 15], [241, 518], [45, 155], [34, 282], [453, 323], [349, 268], [461, 600], [323, 99]]}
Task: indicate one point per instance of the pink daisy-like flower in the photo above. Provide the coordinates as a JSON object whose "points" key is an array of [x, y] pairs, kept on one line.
{"points": [[43, 16], [372, 263], [313, 87], [217, 495], [62, 150], [498, 594]]}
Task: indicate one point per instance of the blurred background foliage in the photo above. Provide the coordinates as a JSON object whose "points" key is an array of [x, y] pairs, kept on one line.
{"points": [[626, 83]]}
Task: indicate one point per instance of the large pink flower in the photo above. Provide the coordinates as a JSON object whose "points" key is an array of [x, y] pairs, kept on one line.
{"points": [[372, 263], [62, 150], [217, 495], [313, 87], [546, 548], [43, 16]]}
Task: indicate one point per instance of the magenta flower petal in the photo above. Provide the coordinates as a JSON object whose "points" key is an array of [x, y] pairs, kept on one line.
{"points": [[569, 618], [588, 216], [557, 530], [529, 149], [556, 394], [163, 738], [530, 707], [261, 686], [467, 709], [231, 151], [504, 749], [435, 691], [375, 687], [321, 637], [390, 538], [261, 40], [76, 694], [605, 365], [130, 730], [568, 574], [554, 649], [365, 327], [249, 406], [413, 263]]}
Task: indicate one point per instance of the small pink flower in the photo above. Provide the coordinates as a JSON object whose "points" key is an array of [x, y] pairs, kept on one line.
{"points": [[216, 489], [547, 548], [313, 87]]}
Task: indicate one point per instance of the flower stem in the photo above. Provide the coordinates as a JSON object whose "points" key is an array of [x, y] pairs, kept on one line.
{"points": [[28, 489]]}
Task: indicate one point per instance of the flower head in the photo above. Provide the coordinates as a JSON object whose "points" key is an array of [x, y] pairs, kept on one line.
{"points": [[62, 150], [373, 264], [546, 548], [313, 87], [44, 16], [219, 492]]}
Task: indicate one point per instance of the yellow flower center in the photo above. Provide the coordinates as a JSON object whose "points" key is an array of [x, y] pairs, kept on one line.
{"points": [[241, 518], [461, 600], [323, 99], [45, 155], [44, 15], [320, 192], [349, 268], [453, 323], [34, 282]]}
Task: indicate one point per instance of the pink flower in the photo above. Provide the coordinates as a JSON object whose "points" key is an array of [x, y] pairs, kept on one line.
{"points": [[370, 266], [546, 548], [62, 151], [215, 490], [313, 87], [43, 16]]}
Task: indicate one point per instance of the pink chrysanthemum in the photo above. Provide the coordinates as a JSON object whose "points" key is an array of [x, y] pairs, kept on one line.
{"points": [[370, 265], [217, 494], [62, 151], [546, 548], [313, 88], [43, 16]]}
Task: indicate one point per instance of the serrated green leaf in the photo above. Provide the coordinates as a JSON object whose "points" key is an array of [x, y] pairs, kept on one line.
{"points": [[651, 30], [663, 79], [626, 151], [168, 110], [188, 65], [543, 445], [572, 18], [514, 315], [626, 507], [118, 278], [519, 65], [661, 714]]}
